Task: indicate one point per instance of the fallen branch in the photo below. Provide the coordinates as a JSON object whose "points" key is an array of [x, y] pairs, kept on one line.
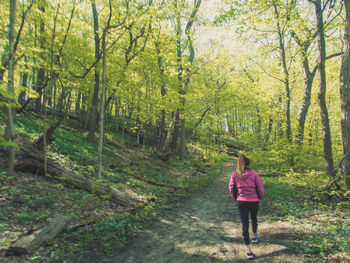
{"points": [[28, 243]]}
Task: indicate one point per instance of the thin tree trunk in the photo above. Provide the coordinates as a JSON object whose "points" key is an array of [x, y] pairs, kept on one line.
{"points": [[327, 143], [68, 105], [50, 88], [269, 130], [281, 36], [39, 84], [77, 104], [41, 74], [177, 124], [11, 87], [345, 94], [94, 108], [308, 80], [102, 108], [22, 95], [161, 133]]}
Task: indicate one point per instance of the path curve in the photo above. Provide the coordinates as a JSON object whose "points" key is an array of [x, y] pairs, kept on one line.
{"points": [[206, 228]]}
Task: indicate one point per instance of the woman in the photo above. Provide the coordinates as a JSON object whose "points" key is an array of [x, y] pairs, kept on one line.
{"points": [[247, 189]]}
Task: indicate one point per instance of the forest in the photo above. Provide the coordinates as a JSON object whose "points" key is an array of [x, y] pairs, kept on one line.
{"points": [[115, 112]]}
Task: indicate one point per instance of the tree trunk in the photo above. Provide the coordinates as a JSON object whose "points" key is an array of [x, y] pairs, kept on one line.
{"points": [[281, 36], [269, 130], [308, 80], [61, 99], [327, 143], [77, 104], [168, 140], [179, 112], [41, 74], [102, 108], [94, 108], [22, 95], [161, 133], [345, 94], [183, 84], [11, 88], [44, 139], [39, 84]]}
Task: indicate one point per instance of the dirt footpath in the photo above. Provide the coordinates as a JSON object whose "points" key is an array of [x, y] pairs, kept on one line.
{"points": [[207, 228]]}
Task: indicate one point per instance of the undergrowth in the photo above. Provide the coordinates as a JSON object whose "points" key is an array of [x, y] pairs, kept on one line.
{"points": [[324, 226], [33, 199]]}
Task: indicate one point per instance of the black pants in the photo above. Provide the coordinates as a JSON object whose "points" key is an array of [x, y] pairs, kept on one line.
{"points": [[244, 209]]}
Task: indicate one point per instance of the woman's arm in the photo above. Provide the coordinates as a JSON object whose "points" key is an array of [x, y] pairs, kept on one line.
{"points": [[259, 186], [233, 186]]}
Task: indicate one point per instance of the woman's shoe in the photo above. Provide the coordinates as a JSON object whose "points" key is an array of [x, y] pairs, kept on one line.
{"points": [[250, 255], [255, 239]]}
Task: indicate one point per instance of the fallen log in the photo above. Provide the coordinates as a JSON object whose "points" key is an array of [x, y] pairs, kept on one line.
{"points": [[28, 243], [33, 162]]}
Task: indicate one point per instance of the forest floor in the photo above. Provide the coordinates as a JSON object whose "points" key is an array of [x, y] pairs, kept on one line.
{"points": [[207, 228], [194, 223]]}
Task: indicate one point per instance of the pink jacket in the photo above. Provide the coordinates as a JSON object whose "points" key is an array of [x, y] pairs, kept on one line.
{"points": [[249, 188]]}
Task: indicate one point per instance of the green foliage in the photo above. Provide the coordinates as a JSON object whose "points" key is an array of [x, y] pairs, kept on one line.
{"points": [[5, 143], [285, 199], [291, 197], [75, 147], [102, 239], [329, 238], [281, 155]]}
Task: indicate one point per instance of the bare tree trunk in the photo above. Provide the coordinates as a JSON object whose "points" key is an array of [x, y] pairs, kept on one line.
{"points": [[168, 140], [11, 88], [308, 80], [269, 130], [45, 91], [77, 104], [345, 94], [281, 39], [22, 95], [102, 108], [177, 124], [183, 83], [161, 133], [327, 143], [94, 108], [41, 74], [39, 84]]}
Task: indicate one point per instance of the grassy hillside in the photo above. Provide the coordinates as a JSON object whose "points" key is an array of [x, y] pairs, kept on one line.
{"points": [[100, 227]]}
